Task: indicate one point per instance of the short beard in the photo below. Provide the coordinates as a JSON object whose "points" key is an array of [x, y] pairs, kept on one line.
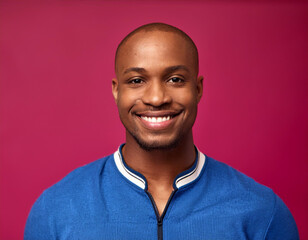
{"points": [[155, 146]]}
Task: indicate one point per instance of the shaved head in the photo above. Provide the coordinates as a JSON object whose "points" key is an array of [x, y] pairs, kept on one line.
{"points": [[160, 27], [157, 77]]}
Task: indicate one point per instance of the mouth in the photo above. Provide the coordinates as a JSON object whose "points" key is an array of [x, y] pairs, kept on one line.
{"points": [[157, 120]]}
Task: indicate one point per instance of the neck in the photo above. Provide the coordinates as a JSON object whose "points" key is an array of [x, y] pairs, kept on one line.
{"points": [[160, 167]]}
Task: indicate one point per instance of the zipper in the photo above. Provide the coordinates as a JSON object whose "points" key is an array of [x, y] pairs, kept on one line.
{"points": [[160, 218]]}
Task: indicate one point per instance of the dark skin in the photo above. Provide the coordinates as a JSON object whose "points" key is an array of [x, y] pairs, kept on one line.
{"points": [[157, 91]]}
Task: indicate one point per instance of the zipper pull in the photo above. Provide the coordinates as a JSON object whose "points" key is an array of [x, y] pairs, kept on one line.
{"points": [[159, 229]]}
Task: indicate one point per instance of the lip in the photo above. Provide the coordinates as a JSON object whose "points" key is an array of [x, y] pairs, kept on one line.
{"points": [[157, 120], [162, 113]]}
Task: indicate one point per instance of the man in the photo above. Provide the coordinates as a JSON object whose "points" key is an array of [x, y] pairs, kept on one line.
{"points": [[158, 185]]}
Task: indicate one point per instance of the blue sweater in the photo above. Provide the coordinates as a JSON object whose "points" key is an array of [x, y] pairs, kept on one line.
{"points": [[108, 200]]}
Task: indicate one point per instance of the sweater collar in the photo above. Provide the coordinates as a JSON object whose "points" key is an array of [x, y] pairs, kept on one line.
{"points": [[138, 179]]}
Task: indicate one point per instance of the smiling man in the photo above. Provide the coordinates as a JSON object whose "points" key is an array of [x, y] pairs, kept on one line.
{"points": [[158, 185]]}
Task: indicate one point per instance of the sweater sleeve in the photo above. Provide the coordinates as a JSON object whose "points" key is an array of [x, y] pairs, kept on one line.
{"points": [[282, 224], [38, 224]]}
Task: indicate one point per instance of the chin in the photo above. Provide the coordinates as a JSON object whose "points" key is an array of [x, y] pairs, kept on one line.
{"points": [[156, 145]]}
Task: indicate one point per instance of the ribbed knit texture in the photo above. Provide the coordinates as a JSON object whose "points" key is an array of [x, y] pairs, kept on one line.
{"points": [[96, 202]]}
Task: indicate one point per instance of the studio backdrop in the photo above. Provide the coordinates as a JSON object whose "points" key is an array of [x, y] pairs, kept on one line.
{"points": [[57, 111]]}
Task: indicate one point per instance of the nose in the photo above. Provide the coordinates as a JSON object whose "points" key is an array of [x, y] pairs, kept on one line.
{"points": [[156, 94]]}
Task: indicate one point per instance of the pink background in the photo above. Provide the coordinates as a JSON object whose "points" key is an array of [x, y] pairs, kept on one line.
{"points": [[57, 111]]}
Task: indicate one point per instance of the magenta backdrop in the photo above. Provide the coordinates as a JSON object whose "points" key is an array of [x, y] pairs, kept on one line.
{"points": [[57, 111]]}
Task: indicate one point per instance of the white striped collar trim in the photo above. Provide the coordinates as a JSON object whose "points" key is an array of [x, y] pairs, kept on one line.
{"points": [[141, 182], [194, 174]]}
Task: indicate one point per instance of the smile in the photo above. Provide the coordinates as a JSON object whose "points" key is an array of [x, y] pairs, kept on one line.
{"points": [[156, 119]]}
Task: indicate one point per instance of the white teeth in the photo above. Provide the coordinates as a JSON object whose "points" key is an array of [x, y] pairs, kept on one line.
{"points": [[155, 119]]}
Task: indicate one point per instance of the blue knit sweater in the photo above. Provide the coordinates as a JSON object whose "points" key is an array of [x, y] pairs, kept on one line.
{"points": [[107, 200]]}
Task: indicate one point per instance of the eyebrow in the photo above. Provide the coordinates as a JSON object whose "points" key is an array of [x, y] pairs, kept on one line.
{"points": [[167, 70], [135, 69], [175, 68]]}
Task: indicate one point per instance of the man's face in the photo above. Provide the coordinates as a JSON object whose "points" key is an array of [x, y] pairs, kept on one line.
{"points": [[157, 89]]}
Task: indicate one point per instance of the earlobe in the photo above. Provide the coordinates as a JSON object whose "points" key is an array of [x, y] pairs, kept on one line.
{"points": [[115, 89], [199, 87]]}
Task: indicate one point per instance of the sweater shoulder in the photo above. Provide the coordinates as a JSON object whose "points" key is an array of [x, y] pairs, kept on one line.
{"points": [[66, 201], [78, 180], [236, 183]]}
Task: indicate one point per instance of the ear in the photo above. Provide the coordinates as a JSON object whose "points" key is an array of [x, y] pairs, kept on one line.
{"points": [[115, 87], [199, 88]]}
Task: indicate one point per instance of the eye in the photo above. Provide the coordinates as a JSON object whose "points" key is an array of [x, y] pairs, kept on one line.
{"points": [[136, 81], [176, 80]]}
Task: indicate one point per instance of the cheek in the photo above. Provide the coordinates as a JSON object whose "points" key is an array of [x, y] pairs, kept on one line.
{"points": [[127, 98], [188, 100], [186, 97]]}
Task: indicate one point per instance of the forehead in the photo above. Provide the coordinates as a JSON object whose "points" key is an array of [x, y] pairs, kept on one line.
{"points": [[155, 49]]}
